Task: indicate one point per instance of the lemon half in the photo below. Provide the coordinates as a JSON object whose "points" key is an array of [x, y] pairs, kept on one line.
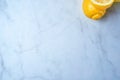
{"points": [[102, 4]]}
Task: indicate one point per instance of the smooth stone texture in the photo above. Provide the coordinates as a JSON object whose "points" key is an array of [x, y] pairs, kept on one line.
{"points": [[54, 40]]}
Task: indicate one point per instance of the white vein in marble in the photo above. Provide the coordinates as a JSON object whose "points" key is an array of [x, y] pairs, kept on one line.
{"points": [[54, 40]]}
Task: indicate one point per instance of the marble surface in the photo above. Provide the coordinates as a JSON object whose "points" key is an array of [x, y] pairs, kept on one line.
{"points": [[54, 40]]}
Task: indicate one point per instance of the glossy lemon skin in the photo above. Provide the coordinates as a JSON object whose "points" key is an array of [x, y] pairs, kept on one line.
{"points": [[94, 11]]}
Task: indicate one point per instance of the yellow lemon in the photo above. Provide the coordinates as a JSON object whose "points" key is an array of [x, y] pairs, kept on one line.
{"points": [[95, 9]]}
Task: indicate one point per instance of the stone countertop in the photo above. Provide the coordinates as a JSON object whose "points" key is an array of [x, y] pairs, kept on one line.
{"points": [[54, 40]]}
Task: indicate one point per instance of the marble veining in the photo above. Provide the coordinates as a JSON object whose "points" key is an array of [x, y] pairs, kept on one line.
{"points": [[54, 40]]}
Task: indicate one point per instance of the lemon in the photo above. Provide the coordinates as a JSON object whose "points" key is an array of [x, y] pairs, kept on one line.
{"points": [[95, 9]]}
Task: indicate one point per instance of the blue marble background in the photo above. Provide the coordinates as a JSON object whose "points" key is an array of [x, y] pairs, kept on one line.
{"points": [[54, 40]]}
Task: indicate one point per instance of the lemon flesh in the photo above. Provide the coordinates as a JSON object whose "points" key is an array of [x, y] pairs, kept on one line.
{"points": [[102, 1]]}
